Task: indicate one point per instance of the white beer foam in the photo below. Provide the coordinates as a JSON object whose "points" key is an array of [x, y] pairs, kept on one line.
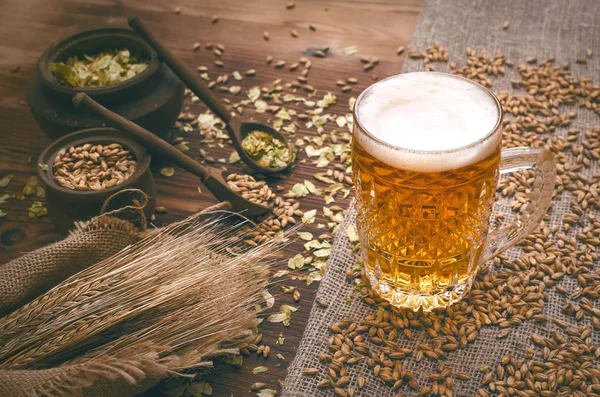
{"points": [[427, 112]]}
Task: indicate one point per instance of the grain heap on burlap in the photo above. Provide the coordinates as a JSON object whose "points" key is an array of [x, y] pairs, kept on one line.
{"points": [[118, 309], [530, 325]]}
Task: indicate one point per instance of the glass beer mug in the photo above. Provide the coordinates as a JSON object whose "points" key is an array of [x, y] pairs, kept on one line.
{"points": [[426, 158]]}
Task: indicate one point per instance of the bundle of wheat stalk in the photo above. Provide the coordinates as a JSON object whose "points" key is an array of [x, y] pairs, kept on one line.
{"points": [[159, 306]]}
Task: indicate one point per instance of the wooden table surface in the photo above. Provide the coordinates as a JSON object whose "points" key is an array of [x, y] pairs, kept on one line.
{"points": [[27, 27]]}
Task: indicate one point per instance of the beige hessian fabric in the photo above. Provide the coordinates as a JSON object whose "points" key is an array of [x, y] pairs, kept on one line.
{"points": [[538, 28]]}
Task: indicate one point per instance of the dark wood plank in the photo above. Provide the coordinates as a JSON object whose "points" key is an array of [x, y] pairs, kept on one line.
{"points": [[28, 27]]}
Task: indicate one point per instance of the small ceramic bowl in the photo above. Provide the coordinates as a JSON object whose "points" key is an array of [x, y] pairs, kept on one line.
{"points": [[152, 99], [65, 206]]}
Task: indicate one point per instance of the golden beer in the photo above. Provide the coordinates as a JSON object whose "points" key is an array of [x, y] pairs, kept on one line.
{"points": [[426, 157], [423, 231]]}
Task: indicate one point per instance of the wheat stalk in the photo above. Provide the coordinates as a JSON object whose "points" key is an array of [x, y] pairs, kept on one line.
{"points": [[176, 293]]}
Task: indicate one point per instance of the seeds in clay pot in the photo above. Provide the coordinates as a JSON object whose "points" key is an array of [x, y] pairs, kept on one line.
{"points": [[93, 166]]}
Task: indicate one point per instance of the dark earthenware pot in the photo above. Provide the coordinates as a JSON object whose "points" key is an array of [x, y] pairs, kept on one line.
{"points": [[152, 99], [66, 206]]}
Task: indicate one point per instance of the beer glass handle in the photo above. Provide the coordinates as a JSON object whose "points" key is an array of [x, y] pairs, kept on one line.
{"points": [[517, 159]]}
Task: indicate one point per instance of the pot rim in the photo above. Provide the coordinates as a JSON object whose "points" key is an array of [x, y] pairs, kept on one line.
{"points": [[89, 135], [61, 45]]}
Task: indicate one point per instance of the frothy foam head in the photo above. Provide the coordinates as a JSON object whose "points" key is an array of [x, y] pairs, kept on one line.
{"points": [[427, 112]]}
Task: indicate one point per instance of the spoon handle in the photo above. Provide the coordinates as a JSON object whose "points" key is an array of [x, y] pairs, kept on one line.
{"points": [[187, 76], [142, 135]]}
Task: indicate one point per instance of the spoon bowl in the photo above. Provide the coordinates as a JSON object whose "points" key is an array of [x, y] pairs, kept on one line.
{"points": [[241, 129]]}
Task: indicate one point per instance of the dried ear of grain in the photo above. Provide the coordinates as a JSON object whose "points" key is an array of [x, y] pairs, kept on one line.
{"points": [[114, 322]]}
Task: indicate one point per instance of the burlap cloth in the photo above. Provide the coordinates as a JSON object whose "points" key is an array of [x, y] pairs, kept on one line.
{"points": [[540, 29]]}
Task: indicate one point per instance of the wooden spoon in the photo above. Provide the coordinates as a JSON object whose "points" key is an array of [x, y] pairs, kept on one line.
{"points": [[211, 177], [237, 128]]}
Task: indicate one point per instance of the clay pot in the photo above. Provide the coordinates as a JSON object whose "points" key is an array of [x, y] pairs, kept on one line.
{"points": [[152, 99], [66, 206]]}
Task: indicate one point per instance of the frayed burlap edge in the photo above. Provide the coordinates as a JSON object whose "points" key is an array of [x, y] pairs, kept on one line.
{"points": [[108, 376]]}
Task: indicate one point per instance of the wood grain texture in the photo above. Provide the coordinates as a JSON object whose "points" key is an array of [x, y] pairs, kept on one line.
{"points": [[28, 27]]}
